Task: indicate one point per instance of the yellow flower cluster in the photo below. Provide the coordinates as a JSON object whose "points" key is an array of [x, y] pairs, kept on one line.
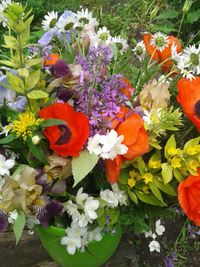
{"points": [[25, 125]]}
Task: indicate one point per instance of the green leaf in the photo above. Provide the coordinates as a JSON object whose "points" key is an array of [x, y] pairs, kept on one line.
{"points": [[37, 151], [193, 16], [8, 139], [191, 143], [82, 165], [123, 177], [163, 28], [166, 172], [166, 188], [133, 196], [149, 199], [10, 41], [16, 83], [9, 63], [171, 143], [18, 225], [52, 122], [37, 94], [33, 62], [178, 175], [170, 14], [156, 192], [141, 166], [33, 79]]}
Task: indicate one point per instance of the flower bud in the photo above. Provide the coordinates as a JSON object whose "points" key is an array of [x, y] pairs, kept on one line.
{"points": [[35, 139], [187, 5]]}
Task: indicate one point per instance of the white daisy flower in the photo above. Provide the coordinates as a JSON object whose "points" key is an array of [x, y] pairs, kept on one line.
{"points": [[140, 50], [154, 246], [66, 22], [191, 58], [121, 43], [185, 72], [174, 55], [104, 35], [160, 229], [84, 18], [160, 41], [50, 20], [3, 6]]}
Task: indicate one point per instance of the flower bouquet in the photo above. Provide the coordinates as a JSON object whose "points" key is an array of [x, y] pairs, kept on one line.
{"points": [[84, 151]]}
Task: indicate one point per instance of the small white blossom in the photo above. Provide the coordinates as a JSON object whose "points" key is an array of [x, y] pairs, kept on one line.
{"points": [[148, 234], [3, 6], [6, 165], [71, 243], [120, 194], [72, 210], [81, 197], [94, 146], [110, 197], [154, 246], [90, 207], [12, 216], [121, 43], [160, 229], [95, 234], [66, 22], [35, 139]]}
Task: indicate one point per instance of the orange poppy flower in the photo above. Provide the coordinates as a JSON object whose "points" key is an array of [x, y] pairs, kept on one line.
{"points": [[128, 89], [164, 56], [189, 99], [188, 196], [135, 138], [51, 59], [69, 139]]}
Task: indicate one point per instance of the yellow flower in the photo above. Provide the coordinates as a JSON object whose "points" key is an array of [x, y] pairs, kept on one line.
{"points": [[192, 150], [131, 182], [25, 125], [172, 151], [154, 164], [176, 162], [194, 164], [148, 177], [145, 189], [132, 173]]}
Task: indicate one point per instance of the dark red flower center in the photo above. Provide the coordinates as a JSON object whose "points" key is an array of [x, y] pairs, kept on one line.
{"points": [[197, 109], [65, 135]]}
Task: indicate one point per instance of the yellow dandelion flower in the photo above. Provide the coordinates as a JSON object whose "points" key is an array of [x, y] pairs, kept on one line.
{"points": [[148, 177], [25, 125], [176, 162]]}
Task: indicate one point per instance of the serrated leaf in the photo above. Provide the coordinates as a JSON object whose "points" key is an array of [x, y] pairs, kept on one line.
{"points": [[37, 94], [166, 172], [52, 122], [193, 16], [82, 165], [170, 14], [18, 225]]}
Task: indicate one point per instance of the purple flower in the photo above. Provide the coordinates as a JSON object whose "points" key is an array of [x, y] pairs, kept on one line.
{"points": [[60, 69], [169, 261], [51, 209], [3, 221]]}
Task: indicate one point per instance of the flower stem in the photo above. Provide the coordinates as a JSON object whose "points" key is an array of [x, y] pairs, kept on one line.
{"points": [[180, 26]]}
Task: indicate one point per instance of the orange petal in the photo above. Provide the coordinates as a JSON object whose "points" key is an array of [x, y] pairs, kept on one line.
{"points": [[113, 169]]}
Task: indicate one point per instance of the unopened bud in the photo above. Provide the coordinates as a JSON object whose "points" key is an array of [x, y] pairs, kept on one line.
{"points": [[35, 139], [187, 5]]}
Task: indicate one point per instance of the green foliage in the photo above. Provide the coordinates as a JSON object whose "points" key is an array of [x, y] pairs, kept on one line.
{"points": [[18, 225]]}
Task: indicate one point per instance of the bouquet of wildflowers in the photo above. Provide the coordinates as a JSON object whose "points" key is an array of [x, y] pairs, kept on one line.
{"points": [[82, 148]]}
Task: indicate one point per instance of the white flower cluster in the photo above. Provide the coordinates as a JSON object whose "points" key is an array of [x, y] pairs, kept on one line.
{"points": [[188, 62], [5, 166], [3, 6], [154, 245], [83, 211], [83, 23], [107, 146]]}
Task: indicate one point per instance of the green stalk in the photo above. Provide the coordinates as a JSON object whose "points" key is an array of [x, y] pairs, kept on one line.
{"points": [[181, 23]]}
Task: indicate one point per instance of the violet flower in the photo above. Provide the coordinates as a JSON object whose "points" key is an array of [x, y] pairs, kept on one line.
{"points": [[3, 221], [60, 69]]}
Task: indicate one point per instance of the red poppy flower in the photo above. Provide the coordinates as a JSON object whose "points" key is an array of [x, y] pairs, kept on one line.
{"points": [[69, 139], [51, 59], [164, 56], [189, 196], [135, 138], [189, 99], [127, 89]]}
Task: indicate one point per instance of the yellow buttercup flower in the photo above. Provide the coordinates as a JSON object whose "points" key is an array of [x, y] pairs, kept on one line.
{"points": [[172, 151], [154, 164], [176, 162], [148, 177], [131, 182], [25, 125]]}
